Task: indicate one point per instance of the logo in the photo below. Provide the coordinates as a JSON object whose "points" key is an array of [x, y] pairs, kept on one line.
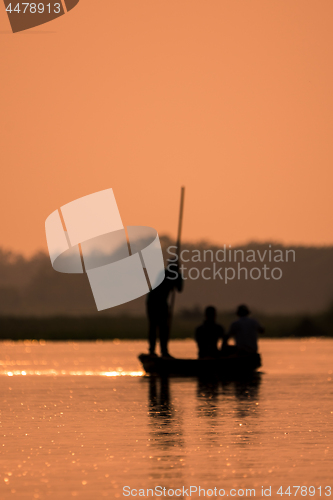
{"points": [[87, 235], [25, 15]]}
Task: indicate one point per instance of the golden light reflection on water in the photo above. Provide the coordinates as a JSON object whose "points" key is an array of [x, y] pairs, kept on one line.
{"points": [[90, 424], [118, 373]]}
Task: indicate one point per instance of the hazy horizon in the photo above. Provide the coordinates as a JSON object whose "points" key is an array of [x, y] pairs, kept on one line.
{"points": [[31, 286], [203, 242]]}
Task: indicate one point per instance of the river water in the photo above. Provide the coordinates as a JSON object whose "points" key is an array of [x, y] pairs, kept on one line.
{"points": [[80, 420]]}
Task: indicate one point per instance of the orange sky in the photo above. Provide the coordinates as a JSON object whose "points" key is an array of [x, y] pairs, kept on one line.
{"points": [[232, 99]]}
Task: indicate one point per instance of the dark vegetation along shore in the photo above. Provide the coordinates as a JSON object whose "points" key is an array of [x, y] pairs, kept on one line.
{"points": [[135, 327], [38, 303], [30, 287]]}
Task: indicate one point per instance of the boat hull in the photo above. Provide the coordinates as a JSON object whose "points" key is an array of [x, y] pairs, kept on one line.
{"points": [[225, 367]]}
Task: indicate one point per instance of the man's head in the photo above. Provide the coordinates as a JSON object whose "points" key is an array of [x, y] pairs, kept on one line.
{"points": [[242, 311], [210, 313]]}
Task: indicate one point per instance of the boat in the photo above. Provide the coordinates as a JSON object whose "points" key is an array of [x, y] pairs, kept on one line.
{"points": [[226, 367]]}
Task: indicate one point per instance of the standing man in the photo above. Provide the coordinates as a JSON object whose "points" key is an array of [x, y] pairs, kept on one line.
{"points": [[158, 308]]}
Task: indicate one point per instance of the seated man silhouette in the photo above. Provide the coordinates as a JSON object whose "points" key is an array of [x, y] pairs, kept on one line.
{"points": [[208, 335], [245, 332]]}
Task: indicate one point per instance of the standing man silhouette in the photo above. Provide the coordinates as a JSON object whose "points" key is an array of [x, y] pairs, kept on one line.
{"points": [[158, 309]]}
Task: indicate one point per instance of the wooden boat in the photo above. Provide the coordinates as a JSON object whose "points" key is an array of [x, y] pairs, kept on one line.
{"points": [[228, 367]]}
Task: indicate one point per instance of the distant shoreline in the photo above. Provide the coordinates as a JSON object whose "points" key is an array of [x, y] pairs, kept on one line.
{"points": [[135, 327]]}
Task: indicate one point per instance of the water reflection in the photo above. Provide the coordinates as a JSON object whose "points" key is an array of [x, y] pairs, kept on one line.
{"points": [[207, 395], [244, 413], [166, 431], [244, 389], [165, 419], [247, 395], [222, 408], [208, 391], [145, 432], [212, 396], [225, 411]]}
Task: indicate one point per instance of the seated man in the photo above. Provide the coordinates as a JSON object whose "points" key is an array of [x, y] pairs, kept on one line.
{"points": [[208, 334], [245, 331]]}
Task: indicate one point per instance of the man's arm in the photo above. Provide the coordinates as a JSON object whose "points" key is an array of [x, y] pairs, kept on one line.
{"points": [[231, 331], [220, 334], [226, 337], [260, 328]]}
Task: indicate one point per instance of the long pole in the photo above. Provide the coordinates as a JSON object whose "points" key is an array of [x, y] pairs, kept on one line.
{"points": [[180, 221], [180, 224]]}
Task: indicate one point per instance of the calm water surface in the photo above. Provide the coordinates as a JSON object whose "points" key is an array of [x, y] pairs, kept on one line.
{"points": [[79, 420]]}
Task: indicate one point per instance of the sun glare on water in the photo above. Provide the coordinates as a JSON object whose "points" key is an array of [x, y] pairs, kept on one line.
{"points": [[117, 373]]}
